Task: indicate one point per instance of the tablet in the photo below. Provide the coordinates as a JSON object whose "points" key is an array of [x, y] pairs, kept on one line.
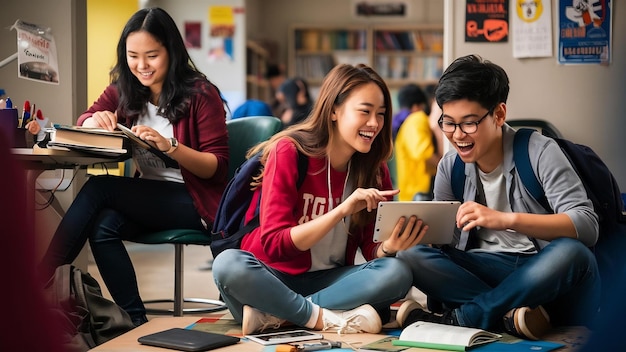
{"points": [[188, 340], [440, 216], [276, 338]]}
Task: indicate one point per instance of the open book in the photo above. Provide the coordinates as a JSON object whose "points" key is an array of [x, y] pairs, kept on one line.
{"points": [[169, 162], [443, 337]]}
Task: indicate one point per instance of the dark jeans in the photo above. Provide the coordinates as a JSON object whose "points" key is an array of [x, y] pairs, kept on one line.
{"points": [[563, 277], [110, 209]]}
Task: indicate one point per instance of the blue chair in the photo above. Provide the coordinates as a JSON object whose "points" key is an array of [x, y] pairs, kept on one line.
{"points": [[243, 133]]}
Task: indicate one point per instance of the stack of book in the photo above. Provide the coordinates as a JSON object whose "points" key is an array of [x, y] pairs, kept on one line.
{"points": [[89, 140], [99, 141]]}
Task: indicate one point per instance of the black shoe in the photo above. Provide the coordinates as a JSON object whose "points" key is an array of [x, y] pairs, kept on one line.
{"points": [[527, 323], [415, 312], [140, 320]]}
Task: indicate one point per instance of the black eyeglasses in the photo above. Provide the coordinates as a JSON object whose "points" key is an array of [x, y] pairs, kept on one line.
{"points": [[467, 127]]}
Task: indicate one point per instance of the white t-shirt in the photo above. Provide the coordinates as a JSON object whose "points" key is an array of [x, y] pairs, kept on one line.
{"points": [[494, 190], [149, 165]]}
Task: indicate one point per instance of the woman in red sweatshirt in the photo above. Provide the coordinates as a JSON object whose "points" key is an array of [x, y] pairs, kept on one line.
{"points": [[298, 266]]}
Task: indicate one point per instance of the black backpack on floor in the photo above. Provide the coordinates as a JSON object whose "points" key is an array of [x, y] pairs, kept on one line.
{"points": [[86, 317]]}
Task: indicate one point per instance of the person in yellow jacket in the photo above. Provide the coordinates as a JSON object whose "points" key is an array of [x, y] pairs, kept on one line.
{"points": [[416, 158]]}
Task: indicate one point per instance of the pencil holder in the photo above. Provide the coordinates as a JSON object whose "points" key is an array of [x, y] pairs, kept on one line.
{"points": [[23, 139], [8, 124]]}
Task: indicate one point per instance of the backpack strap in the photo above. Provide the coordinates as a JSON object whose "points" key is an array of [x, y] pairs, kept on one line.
{"points": [[458, 178], [521, 158], [303, 165]]}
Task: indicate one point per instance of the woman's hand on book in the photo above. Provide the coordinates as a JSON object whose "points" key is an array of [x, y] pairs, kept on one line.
{"points": [[102, 119], [152, 136]]}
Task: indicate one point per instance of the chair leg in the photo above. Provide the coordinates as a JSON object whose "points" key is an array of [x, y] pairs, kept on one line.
{"points": [[179, 300], [178, 279]]}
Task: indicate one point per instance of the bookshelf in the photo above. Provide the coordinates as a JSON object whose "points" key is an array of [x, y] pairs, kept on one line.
{"points": [[314, 50], [257, 58], [404, 55], [401, 54]]}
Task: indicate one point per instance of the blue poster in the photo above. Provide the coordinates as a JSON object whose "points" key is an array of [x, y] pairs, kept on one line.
{"points": [[584, 31]]}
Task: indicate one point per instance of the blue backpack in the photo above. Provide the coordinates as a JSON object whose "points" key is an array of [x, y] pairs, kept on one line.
{"points": [[600, 184], [228, 227]]}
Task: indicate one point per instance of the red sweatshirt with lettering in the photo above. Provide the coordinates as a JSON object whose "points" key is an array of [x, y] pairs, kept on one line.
{"points": [[284, 205]]}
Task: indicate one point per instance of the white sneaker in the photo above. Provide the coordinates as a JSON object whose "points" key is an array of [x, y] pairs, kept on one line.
{"points": [[360, 319], [255, 321]]}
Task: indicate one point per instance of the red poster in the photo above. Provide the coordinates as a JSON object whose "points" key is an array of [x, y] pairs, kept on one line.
{"points": [[487, 20]]}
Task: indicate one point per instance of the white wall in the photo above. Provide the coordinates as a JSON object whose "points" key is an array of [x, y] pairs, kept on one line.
{"points": [[229, 77], [61, 103], [64, 102], [583, 101]]}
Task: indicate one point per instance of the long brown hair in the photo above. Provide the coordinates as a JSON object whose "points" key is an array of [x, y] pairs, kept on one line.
{"points": [[312, 135]]}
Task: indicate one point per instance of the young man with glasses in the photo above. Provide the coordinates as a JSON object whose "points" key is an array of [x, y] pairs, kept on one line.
{"points": [[513, 266]]}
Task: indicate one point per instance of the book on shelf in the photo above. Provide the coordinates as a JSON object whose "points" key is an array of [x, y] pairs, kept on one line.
{"points": [[444, 337], [310, 40], [88, 140]]}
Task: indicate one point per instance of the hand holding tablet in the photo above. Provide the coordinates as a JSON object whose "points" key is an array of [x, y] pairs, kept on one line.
{"points": [[440, 216]]}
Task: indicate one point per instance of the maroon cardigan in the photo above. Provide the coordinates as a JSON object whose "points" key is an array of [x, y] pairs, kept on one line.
{"points": [[203, 129]]}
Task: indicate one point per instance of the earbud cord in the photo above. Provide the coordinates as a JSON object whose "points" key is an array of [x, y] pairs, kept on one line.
{"points": [[330, 193]]}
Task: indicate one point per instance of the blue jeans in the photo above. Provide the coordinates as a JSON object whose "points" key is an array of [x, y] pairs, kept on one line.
{"points": [[483, 287], [243, 280], [110, 209]]}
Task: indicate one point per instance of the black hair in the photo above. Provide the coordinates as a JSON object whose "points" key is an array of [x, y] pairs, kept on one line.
{"points": [[273, 70], [475, 79], [411, 94], [179, 84]]}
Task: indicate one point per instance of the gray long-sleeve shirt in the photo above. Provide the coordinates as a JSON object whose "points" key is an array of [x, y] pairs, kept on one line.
{"points": [[563, 189]]}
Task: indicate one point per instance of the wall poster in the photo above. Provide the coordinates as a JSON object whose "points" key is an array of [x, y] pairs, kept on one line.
{"points": [[221, 33], [585, 31], [37, 58], [487, 21], [532, 28], [193, 34]]}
